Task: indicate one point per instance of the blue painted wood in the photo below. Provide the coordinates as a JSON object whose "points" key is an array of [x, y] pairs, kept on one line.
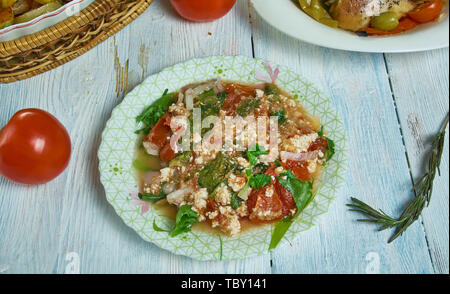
{"points": [[40, 225], [378, 172], [420, 83]]}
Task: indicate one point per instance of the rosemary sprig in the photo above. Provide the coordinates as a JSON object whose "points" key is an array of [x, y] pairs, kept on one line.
{"points": [[423, 190]]}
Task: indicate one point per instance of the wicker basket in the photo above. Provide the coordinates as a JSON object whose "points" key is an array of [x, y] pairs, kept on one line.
{"points": [[37, 53]]}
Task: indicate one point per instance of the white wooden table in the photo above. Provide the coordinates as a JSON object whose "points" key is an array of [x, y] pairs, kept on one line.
{"points": [[391, 104]]}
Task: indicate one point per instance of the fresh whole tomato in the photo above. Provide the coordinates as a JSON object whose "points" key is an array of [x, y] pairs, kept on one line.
{"points": [[34, 147], [202, 10]]}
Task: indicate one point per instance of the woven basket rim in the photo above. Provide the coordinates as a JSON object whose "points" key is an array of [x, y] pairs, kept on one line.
{"points": [[58, 30], [43, 51]]}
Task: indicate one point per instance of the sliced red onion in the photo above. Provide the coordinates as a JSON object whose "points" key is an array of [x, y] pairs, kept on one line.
{"points": [[151, 148], [179, 125], [178, 196], [304, 156], [218, 87], [148, 177]]}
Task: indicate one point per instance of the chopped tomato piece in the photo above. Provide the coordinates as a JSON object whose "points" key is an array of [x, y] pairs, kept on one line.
{"points": [[320, 145], [167, 153], [241, 89], [236, 93], [286, 199], [229, 102], [298, 168], [427, 12], [160, 132], [264, 206]]}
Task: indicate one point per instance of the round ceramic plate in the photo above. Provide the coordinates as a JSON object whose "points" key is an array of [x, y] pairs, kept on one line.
{"points": [[297, 24], [119, 141]]}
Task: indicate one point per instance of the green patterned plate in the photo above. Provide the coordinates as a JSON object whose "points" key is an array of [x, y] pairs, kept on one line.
{"points": [[118, 143]]}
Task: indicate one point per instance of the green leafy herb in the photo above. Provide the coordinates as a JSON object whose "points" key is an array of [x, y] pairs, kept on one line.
{"points": [[320, 132], [209, 110], [181, 160], [247, 106], [186, 217], [259, 181], [271, 90], [330, 149], [207, 94], [300, 190], [252, 155], [152, 197], [281, 114], [158, 229], [222, 96], [214, 172], [150, 116], [259, 168], [277, 162], [220, 248], [279, 231], [423, 190], [235, 201]]}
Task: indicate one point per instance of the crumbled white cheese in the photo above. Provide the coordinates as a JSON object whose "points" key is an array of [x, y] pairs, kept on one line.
{"points": [[212, 214], [200, 197], [259, 93], [166, 173], [244, 196], [312, 166], [298, 144], [242, 211], [231, 225], [269, 191], [236, 182], [223, 195], [225, 210], [243, 162]]}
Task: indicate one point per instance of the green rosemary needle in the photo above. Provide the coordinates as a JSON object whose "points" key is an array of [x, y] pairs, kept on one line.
{"points": [[423, 189]]}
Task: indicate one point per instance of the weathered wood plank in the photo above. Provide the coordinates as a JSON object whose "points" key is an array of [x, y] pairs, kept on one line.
{"points": [[420, 83], [378, 171], [40, 225]]}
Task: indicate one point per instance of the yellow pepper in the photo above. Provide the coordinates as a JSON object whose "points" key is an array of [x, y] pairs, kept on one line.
{"points": [[6, 3]]}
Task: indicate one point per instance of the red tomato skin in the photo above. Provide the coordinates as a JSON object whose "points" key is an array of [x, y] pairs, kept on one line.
{"points": [[160, 132], [202, 10], [167, 153], [427, 12], [34, 147]]}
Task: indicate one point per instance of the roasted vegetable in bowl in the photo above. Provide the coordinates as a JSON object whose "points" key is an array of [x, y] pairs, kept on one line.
{"points": [[373, 17], [19, 11]]}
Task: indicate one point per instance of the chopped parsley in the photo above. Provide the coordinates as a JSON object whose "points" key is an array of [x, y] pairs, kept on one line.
{"points": [[150, 116], [186, 217]]}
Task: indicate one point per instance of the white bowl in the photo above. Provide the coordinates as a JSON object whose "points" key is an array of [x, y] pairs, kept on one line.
{"points": [[288, 18], [43, 21]]}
